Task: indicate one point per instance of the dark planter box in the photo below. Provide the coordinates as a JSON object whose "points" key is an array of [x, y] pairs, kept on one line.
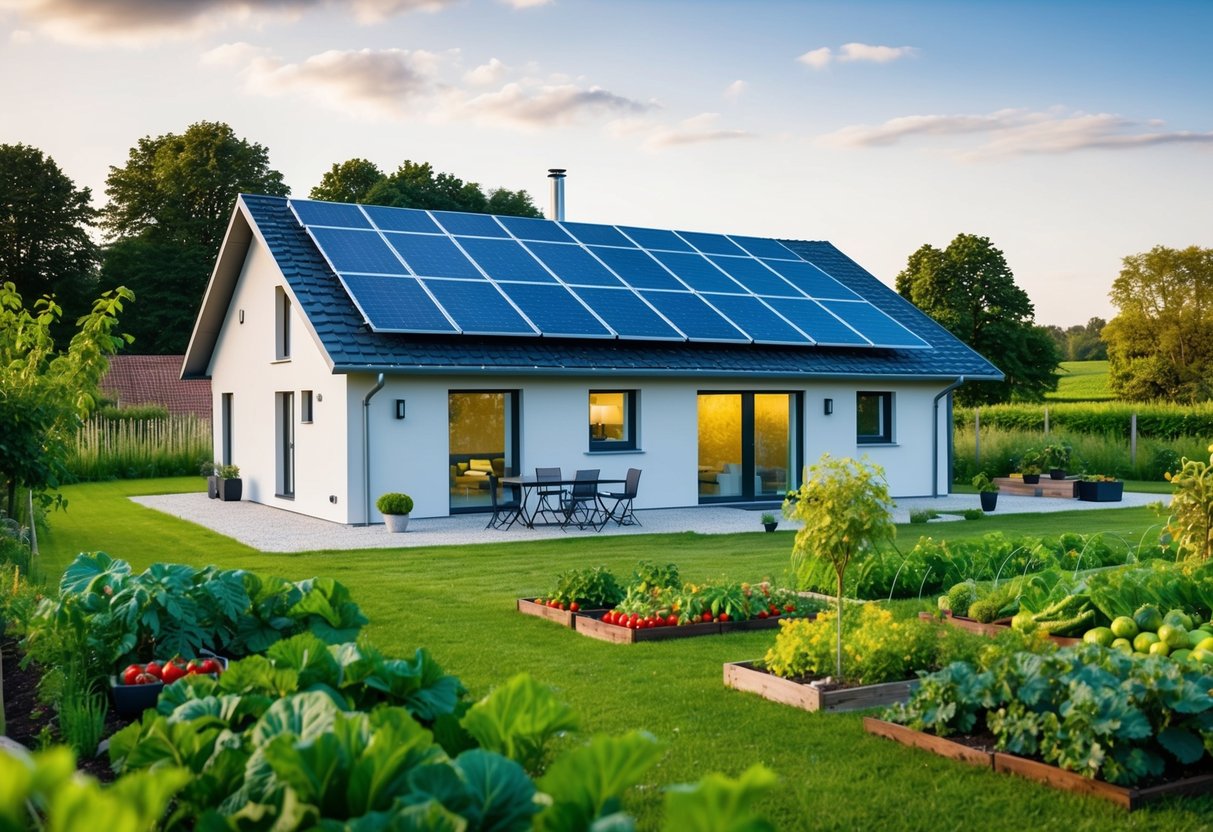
{"points": [[1057, 473], [1101, 492], [989, 499], [1031, 479], [132, 700], [230, 490]]}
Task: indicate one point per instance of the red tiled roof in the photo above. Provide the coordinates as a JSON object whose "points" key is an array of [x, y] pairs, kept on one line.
{"points": [[156, 379]]}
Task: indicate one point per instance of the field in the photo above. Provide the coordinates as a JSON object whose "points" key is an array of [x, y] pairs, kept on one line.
{"points": [[1082, 381], [458, 602]]}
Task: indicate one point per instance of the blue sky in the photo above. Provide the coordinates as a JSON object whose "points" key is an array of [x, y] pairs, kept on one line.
{"points": [[1070, 133]]}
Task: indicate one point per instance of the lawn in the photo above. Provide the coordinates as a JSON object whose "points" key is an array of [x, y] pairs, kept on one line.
{"points": [[458, 602], [1082, 381]]}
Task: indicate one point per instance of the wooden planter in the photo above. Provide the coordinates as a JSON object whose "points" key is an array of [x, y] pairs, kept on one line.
{"points": [[929, 742], [593, 626], [746, 677], [990, 629], [564, 618], [1101, 492]]}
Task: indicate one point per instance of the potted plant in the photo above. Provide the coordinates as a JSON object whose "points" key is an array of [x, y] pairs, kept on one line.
{"points": [[210, 470], [1056, 458], [769, 522], [1100, 488], [395, 508], [231, 487], [1030, 465], [987, 490]]}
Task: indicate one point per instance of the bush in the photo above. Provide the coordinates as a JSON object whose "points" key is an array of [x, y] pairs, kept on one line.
{"points": [[394, 502]]}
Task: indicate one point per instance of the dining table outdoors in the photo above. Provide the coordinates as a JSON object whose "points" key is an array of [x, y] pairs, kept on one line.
{"points": [[528, 484]]}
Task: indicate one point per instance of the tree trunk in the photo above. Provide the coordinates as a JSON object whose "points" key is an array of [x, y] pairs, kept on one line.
{"points": [[838, 645]]}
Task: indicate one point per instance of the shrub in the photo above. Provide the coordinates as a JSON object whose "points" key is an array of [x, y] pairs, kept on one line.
{"points": [[1191, 520], [394, 502]]}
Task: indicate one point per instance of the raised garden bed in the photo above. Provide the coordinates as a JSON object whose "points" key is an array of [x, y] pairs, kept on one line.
{"points": [[1126, 797], [991, 629], [592, 625], [1101, 492], [1065, 489], [745, 676], [564, 618]]}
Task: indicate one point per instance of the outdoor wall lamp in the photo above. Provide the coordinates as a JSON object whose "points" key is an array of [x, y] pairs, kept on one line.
{"points": [[829, 406], [399, 408]]}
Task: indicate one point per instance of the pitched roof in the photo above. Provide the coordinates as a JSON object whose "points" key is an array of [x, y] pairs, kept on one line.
{"points": [[156, 379], [352, 346]]}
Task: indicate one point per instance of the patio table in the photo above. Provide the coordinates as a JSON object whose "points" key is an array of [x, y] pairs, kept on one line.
{"points": [[529, 483]]}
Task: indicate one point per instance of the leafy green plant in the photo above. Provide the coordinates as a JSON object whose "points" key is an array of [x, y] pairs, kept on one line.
{"points": [[649, 576], [82, 709], [394, 502], [984, 484], [1191, 520], [592, 588], [972, 514], [229, 472], [923, 515], [767, 517], [1057, 455], [844, 506]]}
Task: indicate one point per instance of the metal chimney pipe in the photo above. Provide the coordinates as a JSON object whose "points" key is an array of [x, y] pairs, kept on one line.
{"points": [[556, 203]]}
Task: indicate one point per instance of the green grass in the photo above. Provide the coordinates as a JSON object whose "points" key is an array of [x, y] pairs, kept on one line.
{"points": [[459, 603], [1082, 381]]}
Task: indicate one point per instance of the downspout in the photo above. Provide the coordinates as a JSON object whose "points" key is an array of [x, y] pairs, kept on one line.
{"points": [[366, 447], [935, 435]]}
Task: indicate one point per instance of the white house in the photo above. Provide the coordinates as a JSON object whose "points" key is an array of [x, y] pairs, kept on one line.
{"points": [[354, 350]]}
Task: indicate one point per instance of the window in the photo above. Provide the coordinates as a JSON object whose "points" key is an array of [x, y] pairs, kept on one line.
{"points": [[874, 418], [282, 325], [612, 420], [305, 407], [285, 485]]}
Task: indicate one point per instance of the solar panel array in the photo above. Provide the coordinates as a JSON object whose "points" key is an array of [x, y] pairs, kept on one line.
{"points": [[448, 273]]}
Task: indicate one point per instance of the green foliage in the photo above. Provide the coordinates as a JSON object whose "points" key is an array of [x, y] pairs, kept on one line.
{"points": [[45, 246], [577, 800], [922, 515], [348, 181], [130, 446], [133, 413], [720, 804], [1086, 709], [970, 290], [416, 185], [45, 392], [168, 209], [1191, 520], [394, 502], [1160, 344], [649, 576], [984, 485], [591, 588], [1079, 343], [518, 720], [1155, 420], [1166, 585]]}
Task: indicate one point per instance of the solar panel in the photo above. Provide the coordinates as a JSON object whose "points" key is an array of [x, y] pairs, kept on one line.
{"points": [[641, 270], [874, 325], [573, 264], [478, 307], [812, 318], [757, 320], [525, 276], [698, 273], [694, 317], [432, 256], [597, 235], [711, 243], [335, 214], [401, 219], [627, 314], [528, 228], [555, 310], [811, 280], [471, 225], [396, 304], [505, 260], [350, 250], [756, 277], [656, 239]]}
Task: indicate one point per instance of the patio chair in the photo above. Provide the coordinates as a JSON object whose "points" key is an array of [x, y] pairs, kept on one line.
{"points": [[546, 493], [621, 512], [505, 513], [581, 506]]}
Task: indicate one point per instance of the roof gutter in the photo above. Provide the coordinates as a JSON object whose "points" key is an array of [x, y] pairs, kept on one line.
{"points": [[935, 435], [339, 369], [366, 447]]}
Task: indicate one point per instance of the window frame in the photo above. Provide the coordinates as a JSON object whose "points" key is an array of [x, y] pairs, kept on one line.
{"points": [[885, 436], [282, 324], [306, 407], [630, 425]]}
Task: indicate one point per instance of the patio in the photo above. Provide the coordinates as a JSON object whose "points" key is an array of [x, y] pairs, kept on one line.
{"points": [[270, 529]]}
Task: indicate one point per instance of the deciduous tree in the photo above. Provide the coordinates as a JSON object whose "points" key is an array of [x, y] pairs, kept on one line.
{"points": [[969, 289], [348, 181], [1160, 344]]}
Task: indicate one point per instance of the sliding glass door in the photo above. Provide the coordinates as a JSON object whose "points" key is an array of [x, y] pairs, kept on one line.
{"points": [[483, 437], [749, 446]]}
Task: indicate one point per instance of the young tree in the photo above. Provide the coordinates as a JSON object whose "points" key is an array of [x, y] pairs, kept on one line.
{"points": [[349, 181], [45, 393], [1160, 344], [174, 196], [45, 247], [844, 508], [970, 290]]}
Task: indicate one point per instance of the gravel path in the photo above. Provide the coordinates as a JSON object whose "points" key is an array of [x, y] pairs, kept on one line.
{"points": [[270, 529]]}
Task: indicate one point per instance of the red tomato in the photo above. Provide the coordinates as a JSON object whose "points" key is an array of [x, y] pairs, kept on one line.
{"points": [[672, 620], [210, 666], [789, 608], [763, 614], [707, 616], [129, 674], [146, 679], [574, 606], [724, 616], [173, 671], [154, 669]]}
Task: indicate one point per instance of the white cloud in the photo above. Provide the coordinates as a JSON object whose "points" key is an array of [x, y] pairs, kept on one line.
{"points": [[487, 74], [698, 129], [1019, 132], [735, 90], [138, 22], [852, 52], [527, 4], [534, 105], [20, 37]]}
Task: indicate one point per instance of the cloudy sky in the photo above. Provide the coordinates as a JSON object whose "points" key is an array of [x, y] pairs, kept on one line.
{"points": [[1071, 134]]}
